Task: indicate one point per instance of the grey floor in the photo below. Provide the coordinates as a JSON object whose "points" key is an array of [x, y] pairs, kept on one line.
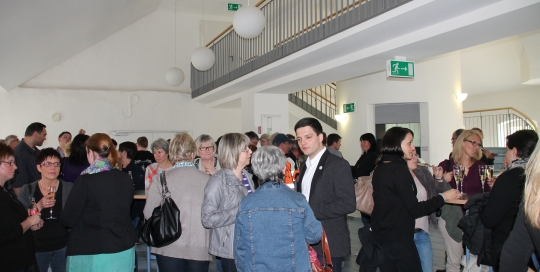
{"points": [[437, 243]]}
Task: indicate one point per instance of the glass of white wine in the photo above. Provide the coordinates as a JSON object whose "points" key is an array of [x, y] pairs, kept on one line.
{"points": [[52, 192], [458, 177], [482, 173]]}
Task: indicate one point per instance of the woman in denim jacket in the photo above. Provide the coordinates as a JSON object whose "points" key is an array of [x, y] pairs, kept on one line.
{"points": [[274, 224]]}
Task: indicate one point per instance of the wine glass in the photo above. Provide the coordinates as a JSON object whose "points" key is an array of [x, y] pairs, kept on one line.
{"points": [[489, 172], [482, 173], [51, 193], [458, 177]]}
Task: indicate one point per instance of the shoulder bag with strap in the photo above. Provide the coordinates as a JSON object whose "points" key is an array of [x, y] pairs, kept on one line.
{"points": [[326, 266], [163, 227]]}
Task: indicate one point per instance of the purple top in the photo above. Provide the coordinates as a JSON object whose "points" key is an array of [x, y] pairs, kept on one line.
{"points": [[70, 172], [246, 183], [471, 182]]}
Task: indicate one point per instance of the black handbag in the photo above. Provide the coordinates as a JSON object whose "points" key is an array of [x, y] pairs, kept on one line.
{"points": [[163, 227]]}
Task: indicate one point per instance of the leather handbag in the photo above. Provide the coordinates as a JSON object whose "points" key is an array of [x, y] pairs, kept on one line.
{"points": [[326, 265], [163, 227], [364, 194]]}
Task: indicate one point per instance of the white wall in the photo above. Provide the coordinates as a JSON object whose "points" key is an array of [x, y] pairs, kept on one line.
{"points": [[100, 111], [523, 100], [436, 82]]}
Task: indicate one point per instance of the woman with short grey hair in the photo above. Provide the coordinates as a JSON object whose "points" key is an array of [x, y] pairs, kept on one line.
{"points": [[223, 194], [274, 219], [160, 148], [206, 150]]}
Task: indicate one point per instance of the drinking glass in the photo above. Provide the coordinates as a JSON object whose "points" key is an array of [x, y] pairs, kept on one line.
{"points": [[51, 193], [458, 177], [482, 173]]}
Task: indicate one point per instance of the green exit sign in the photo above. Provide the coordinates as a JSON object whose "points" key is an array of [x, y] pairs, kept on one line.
{"points": [[351, 107], [399, 68], [233, 7]]}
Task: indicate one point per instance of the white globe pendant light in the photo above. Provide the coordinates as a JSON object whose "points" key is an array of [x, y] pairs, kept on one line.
{"points": [[248, 22], [203, 58], [175, 76]]}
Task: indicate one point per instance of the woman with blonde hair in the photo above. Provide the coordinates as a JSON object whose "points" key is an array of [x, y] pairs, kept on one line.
{"points": [[223, 194], [525, 236], [186, 185], [97, 212], [467, 152]]}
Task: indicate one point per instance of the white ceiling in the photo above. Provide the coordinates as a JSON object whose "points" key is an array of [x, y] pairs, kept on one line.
{"points": [[64, 28]]}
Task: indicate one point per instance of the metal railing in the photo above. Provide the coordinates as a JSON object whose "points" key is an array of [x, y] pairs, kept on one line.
{"points": [[319, 102], [291, 25], [497, 123]]}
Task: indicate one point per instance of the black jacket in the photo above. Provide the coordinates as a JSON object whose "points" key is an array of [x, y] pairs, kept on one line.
{"points": [[396, 208], [98, 213], [501, 209], [332, 198], [476, 237], [519, 246], [16, 248], [365, 164]]}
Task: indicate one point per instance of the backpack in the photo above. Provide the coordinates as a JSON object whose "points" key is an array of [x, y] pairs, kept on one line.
{"points": [[476, 236]]}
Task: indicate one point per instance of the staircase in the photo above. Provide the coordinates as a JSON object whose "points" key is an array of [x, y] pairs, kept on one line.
{"points": [[319, 102], [496, 124]]}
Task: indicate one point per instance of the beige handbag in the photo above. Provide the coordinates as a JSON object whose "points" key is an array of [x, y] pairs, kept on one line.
{"points": [[364, 194]]}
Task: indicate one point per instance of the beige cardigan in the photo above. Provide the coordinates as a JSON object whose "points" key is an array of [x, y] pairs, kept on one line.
{"points": [[186, 185]]}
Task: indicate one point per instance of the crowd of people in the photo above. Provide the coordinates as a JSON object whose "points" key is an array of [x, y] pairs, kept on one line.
{"points": [[262, 203]]}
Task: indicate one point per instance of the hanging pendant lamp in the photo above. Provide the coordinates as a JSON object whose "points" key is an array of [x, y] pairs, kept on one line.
{"points": [[249, 22], [175, 76], [203, 58]]}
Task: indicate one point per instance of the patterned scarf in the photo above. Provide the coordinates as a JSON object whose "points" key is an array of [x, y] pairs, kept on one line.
{"points": [[519, 163], [100, 165], [182, 164]]}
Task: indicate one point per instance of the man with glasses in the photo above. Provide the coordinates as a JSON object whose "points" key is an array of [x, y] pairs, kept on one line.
{"points": [[25, 153], [12, 141]]}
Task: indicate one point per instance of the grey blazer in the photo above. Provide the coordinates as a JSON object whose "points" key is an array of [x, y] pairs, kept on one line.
{"points": [[27, 191], [332, 198]]}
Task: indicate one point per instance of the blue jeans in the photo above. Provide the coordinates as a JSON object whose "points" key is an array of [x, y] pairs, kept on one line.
{"points": [[166, 264], [56, 259], [423, 244]]}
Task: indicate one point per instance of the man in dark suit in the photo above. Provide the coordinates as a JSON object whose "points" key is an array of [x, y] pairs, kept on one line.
{"points": [[326, 182]]}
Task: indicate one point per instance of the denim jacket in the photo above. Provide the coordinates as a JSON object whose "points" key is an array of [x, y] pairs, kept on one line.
{"points": [[273, 227]]}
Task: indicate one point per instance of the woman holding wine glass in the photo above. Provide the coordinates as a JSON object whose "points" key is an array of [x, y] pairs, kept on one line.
{"points": [[466, 153], [502, 207], [48, 195]]}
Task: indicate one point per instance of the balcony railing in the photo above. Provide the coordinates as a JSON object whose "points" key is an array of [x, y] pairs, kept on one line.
{"points": [[319, 102], [497, 123], [291, 25]]}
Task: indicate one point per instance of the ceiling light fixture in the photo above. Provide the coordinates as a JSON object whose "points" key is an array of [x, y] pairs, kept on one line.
{"points": [[203, 58], [249, 21], [175, 75], [461, 96]]}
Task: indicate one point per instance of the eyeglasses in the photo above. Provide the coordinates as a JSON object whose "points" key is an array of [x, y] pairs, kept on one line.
{"points": [[11, 163], [475, 144], [51, 164], [453, 139], [206, 148]]}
